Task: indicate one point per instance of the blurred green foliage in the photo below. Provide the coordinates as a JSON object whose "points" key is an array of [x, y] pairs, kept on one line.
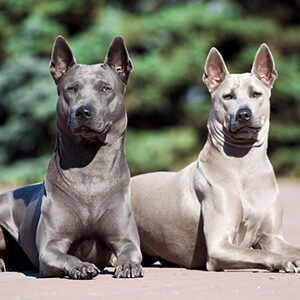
{"points": [[168, 105]]}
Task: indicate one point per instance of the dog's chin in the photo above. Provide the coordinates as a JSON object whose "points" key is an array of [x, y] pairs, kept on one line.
{"points": [[91, 133], [245, 132]]}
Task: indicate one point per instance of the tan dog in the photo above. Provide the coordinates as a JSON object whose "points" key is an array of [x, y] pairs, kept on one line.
{"points": [[222, 211]]}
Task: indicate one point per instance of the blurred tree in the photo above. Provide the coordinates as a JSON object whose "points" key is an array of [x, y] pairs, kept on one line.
{"points": [[167, 103]]}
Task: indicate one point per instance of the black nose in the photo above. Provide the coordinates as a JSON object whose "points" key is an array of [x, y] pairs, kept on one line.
{"points": [[84, 112], [243, 115]]}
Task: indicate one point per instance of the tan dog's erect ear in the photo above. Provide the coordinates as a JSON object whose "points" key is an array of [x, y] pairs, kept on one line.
{"points": [[118, 59], [62, 59], [215, 70], [263, 66]]}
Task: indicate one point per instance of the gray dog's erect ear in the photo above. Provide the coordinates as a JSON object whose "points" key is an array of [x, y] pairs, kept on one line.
{"points": [[263, 66], [118, 59], [215, 70], [62, 59]]}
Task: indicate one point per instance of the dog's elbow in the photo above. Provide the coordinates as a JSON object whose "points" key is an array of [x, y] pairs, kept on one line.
{"points": [[213, 265], [214, 261], [219, 256]]}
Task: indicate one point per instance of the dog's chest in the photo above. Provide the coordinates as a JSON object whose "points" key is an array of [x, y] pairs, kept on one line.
{"points": [[253, 213], [257, 196]]}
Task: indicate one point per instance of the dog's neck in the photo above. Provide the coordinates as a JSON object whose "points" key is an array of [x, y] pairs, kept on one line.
{"points": [[85, 154], [222, 162], [85, 164]]}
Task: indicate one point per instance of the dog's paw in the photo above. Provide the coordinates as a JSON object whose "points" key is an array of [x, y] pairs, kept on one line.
{"points": [[84, 271], [129, 271], [293, 265], [2, 265], [288, 265]]}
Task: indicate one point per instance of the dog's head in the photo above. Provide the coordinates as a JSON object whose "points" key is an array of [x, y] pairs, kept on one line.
{"points": [[91, 97], [240, 101]]}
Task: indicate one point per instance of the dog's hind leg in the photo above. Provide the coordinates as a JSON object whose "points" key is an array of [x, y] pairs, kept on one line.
{"points": [[12, 257], [5, 221], [3, 251], [12, 211]]}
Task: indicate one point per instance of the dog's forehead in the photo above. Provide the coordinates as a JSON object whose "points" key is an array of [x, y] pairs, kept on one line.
{"points": [[89, 75], [94, 72], [244, 80]]}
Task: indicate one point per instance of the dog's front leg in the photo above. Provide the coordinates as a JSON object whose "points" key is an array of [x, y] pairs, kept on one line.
{"points": [[128, 260], [272, 238], [220, 228], [124, 241], [277, 244], [225, 255], [54, 262], [57, 230]]}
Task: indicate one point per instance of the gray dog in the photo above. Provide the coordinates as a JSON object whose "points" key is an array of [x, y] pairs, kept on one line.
{"points": [[222, 211], [71, 223]]}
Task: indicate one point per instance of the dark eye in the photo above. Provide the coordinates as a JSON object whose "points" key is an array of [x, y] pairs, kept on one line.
{"points": [[72, 89], [256, 94], [105, 89], [227, 97]]}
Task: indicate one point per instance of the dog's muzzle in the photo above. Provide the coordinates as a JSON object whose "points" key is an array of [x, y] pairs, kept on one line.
{"points": [[84, 121], [244, 123]]}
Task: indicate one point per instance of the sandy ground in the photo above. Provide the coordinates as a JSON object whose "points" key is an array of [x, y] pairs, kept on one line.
{"points": [[171, 283]]}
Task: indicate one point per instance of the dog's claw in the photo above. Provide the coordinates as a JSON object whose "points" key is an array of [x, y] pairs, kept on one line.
{"points": [[2, 265], [84, 271], [290, 268], [129, 271]]}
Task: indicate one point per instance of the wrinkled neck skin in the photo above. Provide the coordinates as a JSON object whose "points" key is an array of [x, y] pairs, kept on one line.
{"points": [[80, 165], [229, 146]]}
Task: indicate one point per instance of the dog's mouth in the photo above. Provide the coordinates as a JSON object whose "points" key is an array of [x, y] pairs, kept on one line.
{"points": [[245, 133], [245, 129], [88, 131]]}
